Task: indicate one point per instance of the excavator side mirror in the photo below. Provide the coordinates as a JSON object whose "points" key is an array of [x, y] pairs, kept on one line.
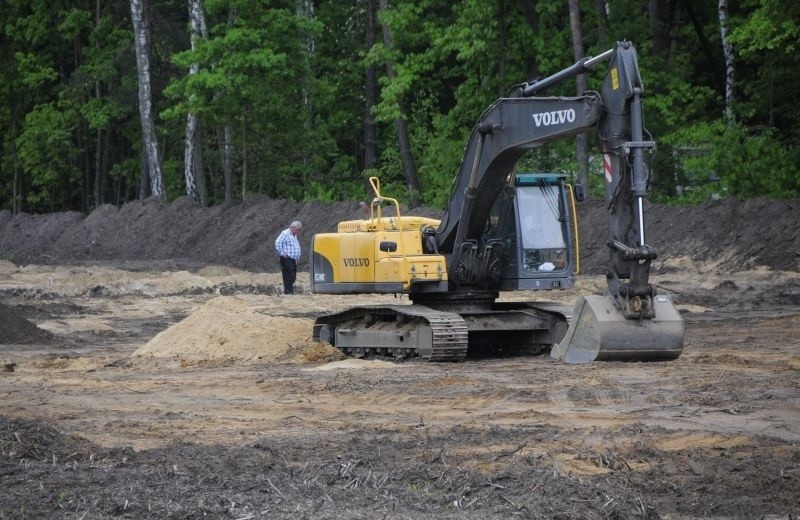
{"points": [[580, 194], [387, 246]]}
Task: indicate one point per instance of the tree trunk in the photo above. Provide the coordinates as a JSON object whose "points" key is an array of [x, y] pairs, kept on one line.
{"points": [[532, 17], [502, 38], [674, 32], [652, 17], [226, 148], [98, 164], [705, 44], [144, 184], [602, 22], [409, 168], [244, 158], [17, 189], [403, 142], [582, 140], [149, 142], [371, 98], [98, 150], [191, 149], [305, 9], [730, 70], [104, 167], [200, 178]]}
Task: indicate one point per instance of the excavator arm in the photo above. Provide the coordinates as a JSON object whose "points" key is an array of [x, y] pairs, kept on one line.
{"points": [[642, 325]]}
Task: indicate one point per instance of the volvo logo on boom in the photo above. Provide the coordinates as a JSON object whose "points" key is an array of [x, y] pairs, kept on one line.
{"points": [[554, 117], [356, 262]]}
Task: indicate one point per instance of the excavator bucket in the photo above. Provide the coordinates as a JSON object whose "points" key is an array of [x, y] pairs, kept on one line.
{"points": [[599, 331]]}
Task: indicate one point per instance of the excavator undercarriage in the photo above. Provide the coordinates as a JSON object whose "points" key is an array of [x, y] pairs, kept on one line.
{"points": [[446, 329]]}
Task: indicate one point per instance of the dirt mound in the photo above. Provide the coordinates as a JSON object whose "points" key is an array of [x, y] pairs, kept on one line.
{"points": [[734, 234], [16, 329], [22, 439], [727, 234], [320, 353], [226, 330], [240, 234]]}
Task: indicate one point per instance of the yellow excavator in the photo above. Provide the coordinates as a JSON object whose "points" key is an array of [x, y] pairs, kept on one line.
{"points": [[509, 231]]}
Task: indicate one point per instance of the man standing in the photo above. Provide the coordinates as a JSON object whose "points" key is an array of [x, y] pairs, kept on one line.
{"points": [[288, 248]]}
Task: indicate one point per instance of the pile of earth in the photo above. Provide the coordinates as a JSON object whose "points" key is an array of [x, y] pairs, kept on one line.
{"points": [[734, 234], [15, 329], [225, 330]]}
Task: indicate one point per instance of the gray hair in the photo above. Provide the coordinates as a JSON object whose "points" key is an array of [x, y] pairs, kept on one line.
{"points": [[296, 225]]}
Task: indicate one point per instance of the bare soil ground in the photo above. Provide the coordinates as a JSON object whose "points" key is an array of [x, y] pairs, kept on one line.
{"points": [[158, 386]]}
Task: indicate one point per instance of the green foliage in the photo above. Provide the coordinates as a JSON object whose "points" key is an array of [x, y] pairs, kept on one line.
{"points": [[766, 45], [772, 25], [254, 74], [32, 71], [43, 145], [290, 87], [756, 164], [712, 158], [100, 113], [74, 22], [172, 169]]}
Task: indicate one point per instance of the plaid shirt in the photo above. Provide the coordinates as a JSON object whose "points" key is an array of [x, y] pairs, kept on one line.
{"points": [[288, 245]]}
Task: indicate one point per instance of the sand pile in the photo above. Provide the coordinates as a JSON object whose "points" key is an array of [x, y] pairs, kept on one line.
{"points": [[319, 353], [225, 329]]}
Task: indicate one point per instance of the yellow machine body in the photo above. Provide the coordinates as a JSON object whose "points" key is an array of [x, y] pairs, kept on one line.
{"points": [[381, 254]]}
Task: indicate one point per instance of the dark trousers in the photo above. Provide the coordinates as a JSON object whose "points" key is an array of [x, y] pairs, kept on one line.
{"points": [[289, 272]]}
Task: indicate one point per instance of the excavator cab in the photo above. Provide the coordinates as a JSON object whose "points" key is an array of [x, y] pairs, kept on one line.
{"points": [[538, 224]]}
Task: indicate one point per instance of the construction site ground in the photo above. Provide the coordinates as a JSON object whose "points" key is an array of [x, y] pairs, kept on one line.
{"points": [[146, 389]]}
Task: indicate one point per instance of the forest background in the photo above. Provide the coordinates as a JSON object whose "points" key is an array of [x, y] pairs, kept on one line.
{"points": [[104, 102]]}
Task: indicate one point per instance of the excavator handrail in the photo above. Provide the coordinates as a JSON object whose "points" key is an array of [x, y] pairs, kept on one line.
{"points": [[377, 202], [575, 229]]}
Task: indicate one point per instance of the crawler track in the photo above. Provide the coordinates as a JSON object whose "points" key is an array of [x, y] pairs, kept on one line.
{"points": [[444, 335], [435, 335]]}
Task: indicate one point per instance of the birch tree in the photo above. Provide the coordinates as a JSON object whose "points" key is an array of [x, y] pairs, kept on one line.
{"points": [[195, 180], [149, 142], [730, 70]]}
